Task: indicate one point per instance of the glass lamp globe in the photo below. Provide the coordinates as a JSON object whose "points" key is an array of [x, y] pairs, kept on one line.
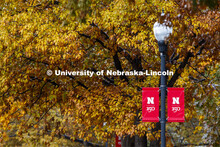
{"points": [[161, 31]]}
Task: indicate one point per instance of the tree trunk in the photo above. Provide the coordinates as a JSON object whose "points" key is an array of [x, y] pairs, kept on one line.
{"points": [[127, 141], [134, 141], [140, 141]]}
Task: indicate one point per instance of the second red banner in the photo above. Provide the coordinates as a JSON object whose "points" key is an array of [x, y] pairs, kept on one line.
{"points": [[175, 108]]}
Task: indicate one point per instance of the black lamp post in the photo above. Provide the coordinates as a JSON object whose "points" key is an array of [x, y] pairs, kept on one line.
{"points": [[161, 31]]}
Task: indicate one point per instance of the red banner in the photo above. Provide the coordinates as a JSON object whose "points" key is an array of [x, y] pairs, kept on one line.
{"points": [[175, 100], [150, 104], [117, 141]]}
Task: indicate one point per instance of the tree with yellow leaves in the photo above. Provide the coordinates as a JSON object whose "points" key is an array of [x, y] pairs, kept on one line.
{"points": [[44, 36]]}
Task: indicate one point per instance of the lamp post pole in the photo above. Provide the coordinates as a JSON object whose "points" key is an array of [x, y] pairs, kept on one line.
{"points": [[163, 87], [161, 32]]}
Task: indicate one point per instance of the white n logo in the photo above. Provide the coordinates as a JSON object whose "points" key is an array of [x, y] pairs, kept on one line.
{"points": [[176, 100], [150, 100]]}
